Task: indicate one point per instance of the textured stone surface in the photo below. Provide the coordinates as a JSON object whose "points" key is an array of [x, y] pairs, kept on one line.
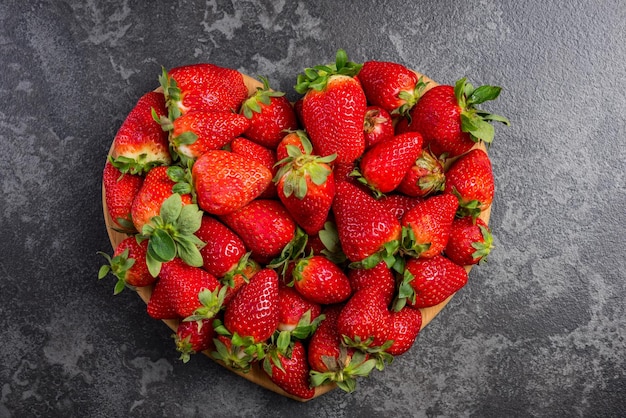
{"points": [[538, 331]]}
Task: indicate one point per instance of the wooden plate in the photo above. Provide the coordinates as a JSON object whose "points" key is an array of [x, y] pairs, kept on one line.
{"points": [[256, 375]]}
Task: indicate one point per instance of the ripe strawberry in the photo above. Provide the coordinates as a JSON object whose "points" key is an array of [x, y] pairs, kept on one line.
{"points": [[264, 226], [425, 177], [253, 312], [333, 108], [120, 190], [470, 241], [379, 278], [320, 280], [232, 350], [366, 230], [293, 138], [193, 337], [222, 248], [427, 225], [140, 143], [263, 155], [128, 264], [470, 178], [292, 306], [181, 290], [225, 181], [449, 121], [399, 204], [405, 326], [383, 166], [378, 126], [270, 113], [204, 87], [306, 186], [432, 280], [390, 85], [235, 279], [290, 371]]}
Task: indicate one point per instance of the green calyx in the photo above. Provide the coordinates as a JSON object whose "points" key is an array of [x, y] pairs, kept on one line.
{"points": [[410, 99], [317, 77], [377, 353], [409, 244], [171, 235], [435, 180], [181, 175], [484, 247], [172, 94], [344, 370], [262, 96], [240, 269], [332, 246], [211, 301], [389, 253], [292, 251], [118, 266], [474, 121], [405, 292], [243, 351], [356, 173], [471, 208], [139, 166]]}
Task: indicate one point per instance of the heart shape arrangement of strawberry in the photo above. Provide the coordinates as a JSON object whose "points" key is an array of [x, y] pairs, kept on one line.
{"points": [[301, 245]]}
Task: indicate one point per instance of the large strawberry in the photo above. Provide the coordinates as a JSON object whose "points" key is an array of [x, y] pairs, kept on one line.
{"points": [[426, 176], [225, 181], [289, 369], [449, 121], [120, 191], [128, 264], [333, 108], [320, 280], [270, 114], [140, 143], [193, 337], [470, 178], [470, 241]]}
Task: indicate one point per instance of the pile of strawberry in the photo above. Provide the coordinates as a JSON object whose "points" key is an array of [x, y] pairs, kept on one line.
{"points": [[303, 237]]}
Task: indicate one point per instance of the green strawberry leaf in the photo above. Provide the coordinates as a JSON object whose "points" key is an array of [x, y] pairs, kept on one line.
{"points": [[189, 219], [483, 94], [189, 253], [162, 246], [171, 208]]}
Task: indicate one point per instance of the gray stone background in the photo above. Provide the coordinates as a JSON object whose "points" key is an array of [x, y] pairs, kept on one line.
{"points": [[538, 331]]}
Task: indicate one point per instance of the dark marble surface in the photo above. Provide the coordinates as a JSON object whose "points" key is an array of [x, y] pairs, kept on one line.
{"points": [[538, 331]]}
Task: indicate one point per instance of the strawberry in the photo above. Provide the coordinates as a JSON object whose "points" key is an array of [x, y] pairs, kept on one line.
{"points": [[128, 264], [270, 113], [333, 108], [293, 138], [432, 280], [320, 280], [233, 351], [405, 326], [383, 166], [306, 186], [290, 371], [449, 121], [225, 181], [140, 143], [264, 226], [377, 126], [253, 312], [425, 177], [399, 204], [182, 290], [292, 307], [120, 191], [263, 155], [204, 87], [235, 279], [222, 248], [470, 241], [366, 230], [390, 85], [470, 178], [379, 278], [193, 337], [427, 226]]}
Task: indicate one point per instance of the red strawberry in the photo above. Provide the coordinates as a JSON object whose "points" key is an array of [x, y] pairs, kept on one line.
{"points": [[433, 280], [449, 121], [140, 143], [193, 337], [263, 155], [390, 85], [425, 177], [292, 306], [204, 87], [223, 248], [384, 165], [399, 204], [293, 138], [378, 126], [333, 109], [290, 371], [225, 181], [405, 326], [379, 278], [428, 225], [343, 172], [235, 279], [265, 227], [365, 228], [270, 114], [306, 186], [320, 280], [253, 312], [120, 190], [177, 293], [128, 264], [470, 241], [470, 178]]}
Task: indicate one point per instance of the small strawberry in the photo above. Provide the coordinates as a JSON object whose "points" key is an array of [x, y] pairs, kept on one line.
{"points": [[222, 248], [427, 226], [405, 326], [140, 143], [270, 113], [425, 177], [225, 181], [263, 155], [379, 278], [128, 264], [470, 241], [120, 191], [234, 280], [399, 204], [293, 138], [193, 337], [292, 307], [289, 369], [333, 108], [383, 166], [378, 126], [449, 121], [470, 178], [320, 280]]}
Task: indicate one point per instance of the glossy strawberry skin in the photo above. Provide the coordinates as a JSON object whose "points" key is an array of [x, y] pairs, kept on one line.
{"points": [[138, 275], [466, 234], [471, 178], [267, 126], [321, 281], [291, 306], [261, 154], [291, 138], [405, 328], [435, 279], [379, 278], [383, 81], [365, 316], [377, 126], [193, 337], [120, 191], [399, 204], [294, 376], [223, 248], [326, 341]]}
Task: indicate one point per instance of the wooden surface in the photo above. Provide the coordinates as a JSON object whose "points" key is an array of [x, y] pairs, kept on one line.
{"points": [[256, 375]]}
